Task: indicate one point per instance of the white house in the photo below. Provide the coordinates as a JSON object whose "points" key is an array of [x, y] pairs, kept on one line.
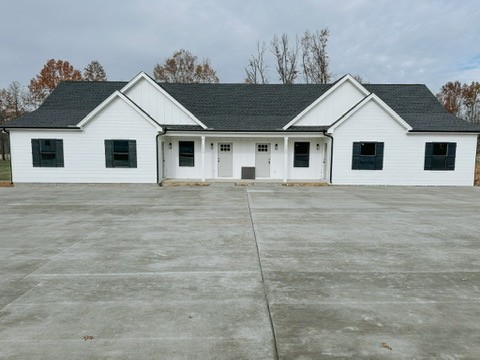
{"points": [[142, 131]]}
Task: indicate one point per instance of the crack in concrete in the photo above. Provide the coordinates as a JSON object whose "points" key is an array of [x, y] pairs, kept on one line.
{"points": [[267, 301]]}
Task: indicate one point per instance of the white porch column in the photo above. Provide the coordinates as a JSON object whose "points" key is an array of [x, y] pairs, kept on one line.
{"points": [[285, 159], [203, 158]]}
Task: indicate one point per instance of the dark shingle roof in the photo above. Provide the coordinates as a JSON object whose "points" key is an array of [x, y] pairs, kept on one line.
{"points": [[243, 106], [68, 104], [419, 107]]}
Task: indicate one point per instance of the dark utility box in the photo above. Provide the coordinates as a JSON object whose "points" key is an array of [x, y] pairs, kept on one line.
{"points": [[248, 173]]}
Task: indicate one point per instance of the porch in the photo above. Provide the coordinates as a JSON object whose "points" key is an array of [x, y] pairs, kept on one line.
{"points": [[241, 182], [249, 157]]}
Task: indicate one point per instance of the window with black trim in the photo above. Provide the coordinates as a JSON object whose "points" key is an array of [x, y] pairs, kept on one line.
{"points": [[367, 155], [121, 153], [440, 156], [47, 152], [186, 153], [301, 154]]}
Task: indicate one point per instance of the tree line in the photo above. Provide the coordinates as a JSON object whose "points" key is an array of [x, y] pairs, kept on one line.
{"points": [[16, 100], [304, 59]]}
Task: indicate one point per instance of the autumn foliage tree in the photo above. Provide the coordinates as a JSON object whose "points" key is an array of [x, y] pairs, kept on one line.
{"points": [[50, 76], [462, 100], [184, 67], [450, 96], [94, 72]]}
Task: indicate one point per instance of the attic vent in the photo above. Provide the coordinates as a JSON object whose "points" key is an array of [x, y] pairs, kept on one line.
{"points": [[248, 172]]}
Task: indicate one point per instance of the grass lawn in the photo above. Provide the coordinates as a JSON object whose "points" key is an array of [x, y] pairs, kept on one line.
{"points": [[4, 170]]}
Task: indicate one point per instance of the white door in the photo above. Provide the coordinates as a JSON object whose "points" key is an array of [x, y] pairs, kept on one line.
{"points": [[225, 160], [262, 161]]}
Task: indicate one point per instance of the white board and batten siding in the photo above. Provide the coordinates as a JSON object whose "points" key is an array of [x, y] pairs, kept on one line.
{"points": [[84, 151], [157, 104], [404, 153], [332, 107]]}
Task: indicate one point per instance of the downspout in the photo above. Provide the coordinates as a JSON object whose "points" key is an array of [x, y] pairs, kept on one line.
{"points": [[156, 143], [331, 153], [5, 131]]}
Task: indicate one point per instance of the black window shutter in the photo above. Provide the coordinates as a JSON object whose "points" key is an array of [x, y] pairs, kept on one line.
{"points": [[109, 153], [379, 156], [428, 156], [36, 153], [452, 150], [132, 153], [356, 155], [59, 153]]}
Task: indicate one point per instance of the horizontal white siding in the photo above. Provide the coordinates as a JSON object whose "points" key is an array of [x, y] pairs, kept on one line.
{"points": [[332, 107], [157, 105], [404, 153], [243, 156], [84, 151]]}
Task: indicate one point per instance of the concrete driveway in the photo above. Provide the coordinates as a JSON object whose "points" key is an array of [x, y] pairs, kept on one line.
{"points": [[225, 272]]}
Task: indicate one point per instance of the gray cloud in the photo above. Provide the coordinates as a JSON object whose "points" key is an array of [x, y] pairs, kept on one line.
{"points": [[432, 41]]}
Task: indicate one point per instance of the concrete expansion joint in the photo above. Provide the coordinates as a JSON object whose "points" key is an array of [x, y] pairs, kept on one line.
{"points": [[264, 285]]}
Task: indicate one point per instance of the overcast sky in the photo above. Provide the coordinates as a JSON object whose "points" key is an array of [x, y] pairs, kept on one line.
{"points": [[418, 41]]}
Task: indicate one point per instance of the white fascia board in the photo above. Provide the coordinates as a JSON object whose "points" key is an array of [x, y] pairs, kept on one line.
{"points": [[107, 101], [347, 77], [366, 100], [144, 76], [250, 135]]}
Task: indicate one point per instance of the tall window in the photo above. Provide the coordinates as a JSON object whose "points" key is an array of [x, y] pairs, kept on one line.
{"points": [[440, 156], [367, 155], [121, 153], [47, 152], [301, 154], [186, 153]]}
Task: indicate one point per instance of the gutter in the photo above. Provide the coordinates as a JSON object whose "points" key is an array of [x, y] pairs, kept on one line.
{"points": [[5, 131], [44, 128], [163, 132], [331, 154]]}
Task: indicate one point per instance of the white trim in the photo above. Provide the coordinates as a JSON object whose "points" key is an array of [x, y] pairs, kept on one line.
{"points": [[285, 159], [383, 105], [203, 158], [107, 101], [144, 76], [347, 77], [244, 134]]}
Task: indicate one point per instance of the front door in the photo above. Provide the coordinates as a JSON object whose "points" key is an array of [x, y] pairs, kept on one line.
{"points": [[225, 160], [262, 160]]}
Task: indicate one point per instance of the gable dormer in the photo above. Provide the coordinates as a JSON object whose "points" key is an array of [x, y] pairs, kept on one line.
{"points": [[158, 103], [328, 108]]}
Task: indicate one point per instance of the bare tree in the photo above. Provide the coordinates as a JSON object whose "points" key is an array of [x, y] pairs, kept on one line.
{"points": [[94, 72], [285, 57], [3, 120], [183, 67], [14, 102], [360, 79], [256, 69], [315, 61]]}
